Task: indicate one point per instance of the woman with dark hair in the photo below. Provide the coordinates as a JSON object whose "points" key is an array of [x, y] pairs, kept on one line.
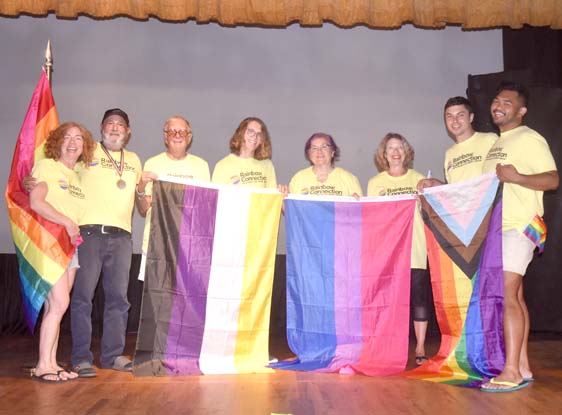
{"points": [[322, 177], [59, 198], [249, 162], [394, 159]]}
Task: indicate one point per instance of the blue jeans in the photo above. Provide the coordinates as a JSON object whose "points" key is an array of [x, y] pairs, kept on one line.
{"points": [[110, 254]]}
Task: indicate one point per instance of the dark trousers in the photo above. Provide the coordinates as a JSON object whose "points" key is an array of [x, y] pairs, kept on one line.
{"points": [[110, 254]]}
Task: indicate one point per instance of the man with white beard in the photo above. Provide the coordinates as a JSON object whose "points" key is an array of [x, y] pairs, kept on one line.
{"points": [[109, 183]]}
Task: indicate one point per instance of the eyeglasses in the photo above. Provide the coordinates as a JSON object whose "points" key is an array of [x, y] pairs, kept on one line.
{"points": [[320, 148], [253, 133], [181, 133]]}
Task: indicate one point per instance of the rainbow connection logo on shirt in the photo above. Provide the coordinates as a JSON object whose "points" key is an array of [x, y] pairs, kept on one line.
{"points": [[63, 184], [94, 162], [382, 191], [235, 179], [304, 191], [450, 166]]}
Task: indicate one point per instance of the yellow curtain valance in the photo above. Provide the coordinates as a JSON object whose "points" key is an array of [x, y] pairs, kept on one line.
{"points": [[470, 14]]}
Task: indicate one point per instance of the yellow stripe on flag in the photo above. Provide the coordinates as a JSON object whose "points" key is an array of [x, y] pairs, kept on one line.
{"points": [[261, 245]]}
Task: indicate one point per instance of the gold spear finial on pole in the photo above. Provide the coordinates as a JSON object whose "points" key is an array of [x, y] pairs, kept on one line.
{"points": [[48, 61]]}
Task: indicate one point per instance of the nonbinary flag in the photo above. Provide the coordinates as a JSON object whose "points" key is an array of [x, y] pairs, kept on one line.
{"points": [[208, 281], [43, 248], [348, 283], [463, 231]]}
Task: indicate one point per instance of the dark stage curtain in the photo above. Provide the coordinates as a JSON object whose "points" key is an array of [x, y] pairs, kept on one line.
{"points": [[12, 319]]}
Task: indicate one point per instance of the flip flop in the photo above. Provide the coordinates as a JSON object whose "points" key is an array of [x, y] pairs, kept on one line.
{"points": [[529, 380], [43, 378], [511, 386], [420, 360], [68, 372]]}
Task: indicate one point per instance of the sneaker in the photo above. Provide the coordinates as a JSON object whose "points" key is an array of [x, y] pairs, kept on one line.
{"points": [[273, 359]]}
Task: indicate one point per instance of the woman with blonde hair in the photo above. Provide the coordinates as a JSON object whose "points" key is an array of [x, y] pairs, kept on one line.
{"points": [[394, 159]]}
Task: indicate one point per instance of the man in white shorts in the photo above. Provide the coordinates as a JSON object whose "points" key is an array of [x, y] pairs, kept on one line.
{"points": [[524, 164]]}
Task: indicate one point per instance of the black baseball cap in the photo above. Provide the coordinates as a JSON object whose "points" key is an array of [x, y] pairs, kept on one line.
{"points": [[116, 111]]}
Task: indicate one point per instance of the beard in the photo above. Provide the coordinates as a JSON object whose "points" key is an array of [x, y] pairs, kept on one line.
{"points": [[114, 144]]}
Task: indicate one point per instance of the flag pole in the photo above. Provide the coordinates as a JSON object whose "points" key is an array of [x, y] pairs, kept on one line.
{"points": [[48, 61]]}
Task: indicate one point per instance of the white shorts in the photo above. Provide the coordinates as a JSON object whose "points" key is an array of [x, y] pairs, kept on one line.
{"points": [[517, 251]]}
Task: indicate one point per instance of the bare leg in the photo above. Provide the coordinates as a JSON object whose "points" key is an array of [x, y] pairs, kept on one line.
{"points": [[420, 330], [524, 366], [514, 327], [56, 304]]}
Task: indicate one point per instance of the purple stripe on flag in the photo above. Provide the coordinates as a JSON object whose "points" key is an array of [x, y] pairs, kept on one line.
{"points": [[347, 289], [491, 295], [187, 319]]}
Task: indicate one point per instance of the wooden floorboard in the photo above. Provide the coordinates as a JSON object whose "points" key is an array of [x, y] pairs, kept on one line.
{"points": [[282, 392]]}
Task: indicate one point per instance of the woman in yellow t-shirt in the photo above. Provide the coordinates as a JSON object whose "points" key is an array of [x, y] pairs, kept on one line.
{"points": [[249, 162], [394, 159], [322, 177], [59, 198]]}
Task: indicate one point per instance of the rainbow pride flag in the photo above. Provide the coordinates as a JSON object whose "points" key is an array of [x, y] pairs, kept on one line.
{"points": [[463, 232], [208, 280], [536, 232], [348, 283], [43, 248]]}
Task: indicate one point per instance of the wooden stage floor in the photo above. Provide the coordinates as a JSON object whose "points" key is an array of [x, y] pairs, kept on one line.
{"points": [[282, 392]]}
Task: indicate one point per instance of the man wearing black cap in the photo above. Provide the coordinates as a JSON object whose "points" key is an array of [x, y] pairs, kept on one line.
{"points": [[109, 183]]}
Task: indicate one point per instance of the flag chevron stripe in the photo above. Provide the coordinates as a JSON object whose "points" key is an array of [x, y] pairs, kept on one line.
{"points": [[465, 257], [468, 307], [466, 204]]}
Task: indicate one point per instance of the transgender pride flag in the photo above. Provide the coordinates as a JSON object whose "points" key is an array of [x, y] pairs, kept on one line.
{"points": [[208, 281], [348, 283]]}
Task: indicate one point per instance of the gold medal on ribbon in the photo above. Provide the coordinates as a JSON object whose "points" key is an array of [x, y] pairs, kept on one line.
{"points": [[121, 184]]}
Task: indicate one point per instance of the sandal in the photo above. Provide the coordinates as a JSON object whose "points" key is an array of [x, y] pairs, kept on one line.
{"points": [[420, 360], [85, 370], [43, 377], [122, 364]]}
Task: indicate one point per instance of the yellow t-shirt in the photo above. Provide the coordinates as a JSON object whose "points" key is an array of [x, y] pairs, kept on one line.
{"points": [[528, 151], [106, 203], [191, 167], [384, 184], [64, 193], [464, 160], [245, 172], [340, 182]]}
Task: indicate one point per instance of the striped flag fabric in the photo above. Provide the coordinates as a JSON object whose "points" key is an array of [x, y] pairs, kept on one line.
{"points": [[463, 231], [208, 280], [43, 248], [348, 283]]}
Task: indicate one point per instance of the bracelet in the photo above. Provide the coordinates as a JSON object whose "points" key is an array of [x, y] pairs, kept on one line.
{"points": [[139, 194]]}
